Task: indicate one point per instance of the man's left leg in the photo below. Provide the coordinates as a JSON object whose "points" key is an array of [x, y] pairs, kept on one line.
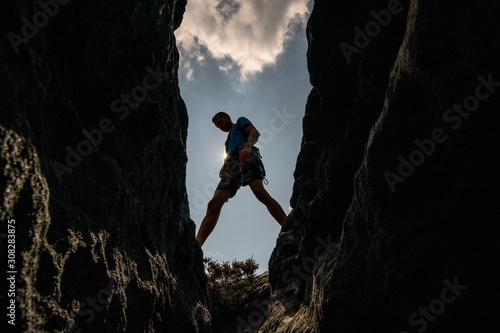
{"points": [[212, 216], [271, 204]]}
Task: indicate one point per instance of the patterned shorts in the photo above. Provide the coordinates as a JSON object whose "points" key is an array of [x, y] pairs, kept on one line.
{"points": [[235, 174]]}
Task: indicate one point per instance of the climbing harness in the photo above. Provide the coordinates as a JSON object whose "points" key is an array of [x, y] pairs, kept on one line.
{"points": [[226, 162], [257, 162], [260, 165]]}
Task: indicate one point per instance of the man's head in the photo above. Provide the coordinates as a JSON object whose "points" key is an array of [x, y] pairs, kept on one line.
{"points": [[222, 121]]}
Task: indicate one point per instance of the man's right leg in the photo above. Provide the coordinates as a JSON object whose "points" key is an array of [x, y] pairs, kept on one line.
{"points": [[212, 216]]}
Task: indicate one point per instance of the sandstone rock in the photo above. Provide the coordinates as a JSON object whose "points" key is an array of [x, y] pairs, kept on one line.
{"points": [[394, 253], [107, 245]]}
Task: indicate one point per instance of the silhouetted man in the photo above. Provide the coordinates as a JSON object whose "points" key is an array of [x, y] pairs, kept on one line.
{"points": [[242, 166]]}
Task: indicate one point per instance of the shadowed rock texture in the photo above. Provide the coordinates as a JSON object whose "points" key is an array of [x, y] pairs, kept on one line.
{"points": [[247, 317], [103, 243], [356, 255]]}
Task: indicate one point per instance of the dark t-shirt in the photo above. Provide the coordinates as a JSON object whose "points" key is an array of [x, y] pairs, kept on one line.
{"points": [[237, 137]]}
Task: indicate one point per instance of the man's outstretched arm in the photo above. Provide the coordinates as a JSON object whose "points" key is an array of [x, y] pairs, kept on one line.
{"points": [[253, 136]]}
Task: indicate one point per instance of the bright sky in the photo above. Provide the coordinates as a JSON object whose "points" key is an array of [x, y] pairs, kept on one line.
{"points": [[247, 59]]}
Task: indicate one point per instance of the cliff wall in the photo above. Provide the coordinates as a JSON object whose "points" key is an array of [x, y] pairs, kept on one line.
{"points": [[93, 169], [395, 220]]}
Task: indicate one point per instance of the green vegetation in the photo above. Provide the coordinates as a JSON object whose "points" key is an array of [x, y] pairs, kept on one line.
{"points": [[230, 284]]}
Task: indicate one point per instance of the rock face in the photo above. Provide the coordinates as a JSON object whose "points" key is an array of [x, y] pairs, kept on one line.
{"points": [[395, 221], [93, 169]]}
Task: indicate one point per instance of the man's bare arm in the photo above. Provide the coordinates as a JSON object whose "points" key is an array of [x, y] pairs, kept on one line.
{"points": [[253, 136]]}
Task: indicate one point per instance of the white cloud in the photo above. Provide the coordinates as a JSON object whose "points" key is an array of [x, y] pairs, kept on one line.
{"points": [[252, 32]]}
